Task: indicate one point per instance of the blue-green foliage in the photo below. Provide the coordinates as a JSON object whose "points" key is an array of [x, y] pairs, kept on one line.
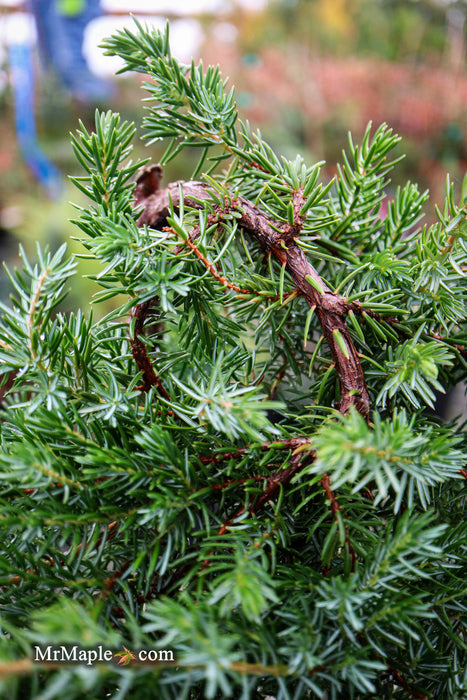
{"points": [[277, 547]]}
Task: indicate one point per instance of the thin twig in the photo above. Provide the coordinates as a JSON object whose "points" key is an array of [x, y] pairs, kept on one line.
{"points": [[397, 678], [280, 478], [140, 353], [335, 508], [219, 277], [289, 444], [278, 379]]}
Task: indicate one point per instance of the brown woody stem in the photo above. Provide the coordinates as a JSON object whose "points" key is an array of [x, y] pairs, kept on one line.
{"points": [[289, 444], [282, 477], [140, 353], [335, 508], [280, 241]]}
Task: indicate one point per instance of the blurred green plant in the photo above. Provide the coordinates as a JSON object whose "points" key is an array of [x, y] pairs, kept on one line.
{"points": [[394, 29], [307, 70]]}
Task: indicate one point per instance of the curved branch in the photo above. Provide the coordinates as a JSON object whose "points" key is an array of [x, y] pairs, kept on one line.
{"points": [[331, 309]]}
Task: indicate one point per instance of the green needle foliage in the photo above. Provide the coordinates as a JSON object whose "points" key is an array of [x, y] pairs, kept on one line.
{"points": [[238, 464]]}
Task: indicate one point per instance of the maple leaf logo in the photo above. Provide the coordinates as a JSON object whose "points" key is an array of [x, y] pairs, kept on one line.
{"points": [[126, 657]]}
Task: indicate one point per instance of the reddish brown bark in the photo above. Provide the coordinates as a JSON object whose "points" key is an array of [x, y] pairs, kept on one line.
{"points": [[281, 242]]}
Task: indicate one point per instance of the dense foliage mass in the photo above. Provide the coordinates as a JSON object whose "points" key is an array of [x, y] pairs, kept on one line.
{"points": [[237, 464]]}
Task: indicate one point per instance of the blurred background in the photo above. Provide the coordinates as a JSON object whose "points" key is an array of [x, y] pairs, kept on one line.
{"points": [[306, 72]]}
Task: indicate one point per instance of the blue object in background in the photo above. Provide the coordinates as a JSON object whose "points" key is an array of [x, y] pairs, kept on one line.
{"points": [[23, 89], [60, 27]]}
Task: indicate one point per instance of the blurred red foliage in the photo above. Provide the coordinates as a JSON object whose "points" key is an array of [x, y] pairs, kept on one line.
{"points": [[426, 105]]}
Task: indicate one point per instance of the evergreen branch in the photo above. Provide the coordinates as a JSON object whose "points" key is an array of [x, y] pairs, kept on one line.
{"points": [[32, 309], [26, 666], [248, 293], [61, 479], [461, 349], [296, 217], [336, 508], [280, 376], [281, 478], [353, 452], [110, 582], [209, 266], [397, 678], [361, 182], [110, 532], [218, 535], [457, 226], [233, 482], [399, 326], [138, 314], [74, 520], [294, 443], [331, 309]]}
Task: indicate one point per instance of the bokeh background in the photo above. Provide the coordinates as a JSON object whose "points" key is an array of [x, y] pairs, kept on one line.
{"points": [[306, 72]]}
